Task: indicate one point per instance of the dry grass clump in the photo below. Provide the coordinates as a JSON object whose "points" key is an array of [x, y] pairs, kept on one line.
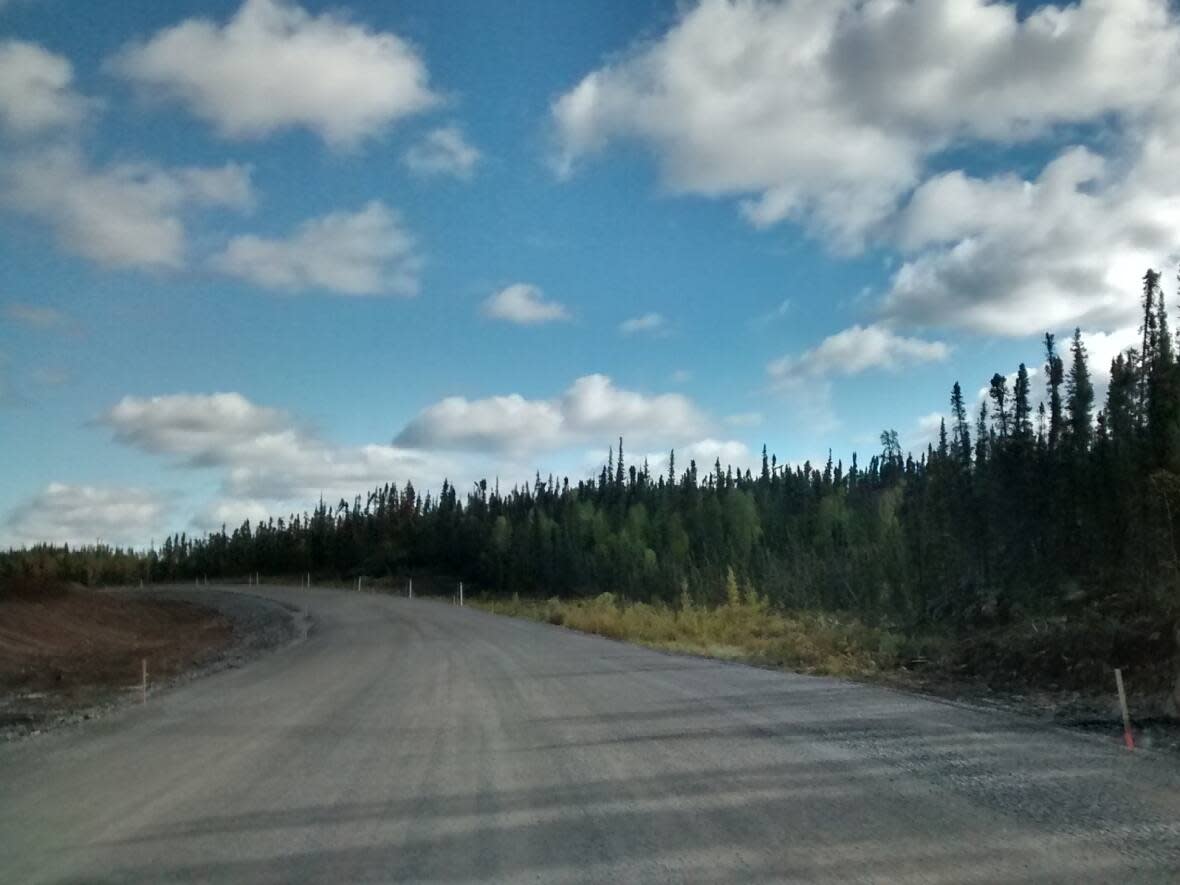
{"points": [[746, 627]]}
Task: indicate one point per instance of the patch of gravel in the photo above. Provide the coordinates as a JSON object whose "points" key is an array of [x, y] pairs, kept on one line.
{"points": [[259, 624], [1087, 713]]}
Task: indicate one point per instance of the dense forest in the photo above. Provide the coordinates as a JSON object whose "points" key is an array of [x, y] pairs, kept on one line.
{"points": [[1017, 509]]}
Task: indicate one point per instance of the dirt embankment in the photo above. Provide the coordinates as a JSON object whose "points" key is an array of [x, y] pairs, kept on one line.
{"points": [[69, 653]]}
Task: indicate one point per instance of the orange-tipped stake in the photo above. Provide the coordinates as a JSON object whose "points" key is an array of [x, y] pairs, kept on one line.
{"points": [[1128, 735]]}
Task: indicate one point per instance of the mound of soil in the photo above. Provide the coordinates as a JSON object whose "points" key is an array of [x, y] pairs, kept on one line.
{"points": [[65, 648]]}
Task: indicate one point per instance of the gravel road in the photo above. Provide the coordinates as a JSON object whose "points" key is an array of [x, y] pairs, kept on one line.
{"points": [[408, 740]]}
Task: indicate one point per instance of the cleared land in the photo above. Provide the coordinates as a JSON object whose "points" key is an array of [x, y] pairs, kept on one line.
{"points": [[66, 650], [415, 741]]}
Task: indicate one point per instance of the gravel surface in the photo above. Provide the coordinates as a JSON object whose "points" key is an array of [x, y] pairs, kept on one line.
{"points": [[260, 623], [415, 741]]}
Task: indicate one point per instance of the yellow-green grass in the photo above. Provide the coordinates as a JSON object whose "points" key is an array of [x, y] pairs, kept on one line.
{"points": [[744, 628]]}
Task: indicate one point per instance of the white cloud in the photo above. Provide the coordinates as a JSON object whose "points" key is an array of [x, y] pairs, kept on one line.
{"points": [[125, 215], [649, 322], [856, 350], [826, 111], [231, 513], [36, 91], [1011, 257], [263, 453], [274, 66], [525, 305], [70, 514], [926, 431], [300, 467], [499, 422], [443, 151], [592, 408], [806, 379], [368, 252], [1101, 349], [205, 429], [705, 453], [730, 451], [984, 391]]}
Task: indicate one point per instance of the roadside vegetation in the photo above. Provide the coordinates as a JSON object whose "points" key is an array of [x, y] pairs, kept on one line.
{"points": [[744, 628]]}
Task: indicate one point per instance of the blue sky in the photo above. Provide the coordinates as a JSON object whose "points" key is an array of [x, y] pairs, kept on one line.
{"points": [[252, 252]]}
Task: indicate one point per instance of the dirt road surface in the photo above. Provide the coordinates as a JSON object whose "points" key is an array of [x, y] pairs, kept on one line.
{"points": [[409, 740]]}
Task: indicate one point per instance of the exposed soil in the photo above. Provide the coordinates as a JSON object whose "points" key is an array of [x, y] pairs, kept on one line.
{"points": [[70, 653]]}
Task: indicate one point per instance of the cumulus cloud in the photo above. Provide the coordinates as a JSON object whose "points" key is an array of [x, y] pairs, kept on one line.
{"points": [[442, 151], [124, 215], [805, 379], [231, 512], [648, 322], [275, 66], [729, 451], [706, 452], [368, 252], [1011, 257], [525, 305], [825, 111], [205, 429], [36, 90], [830, 114], [269, 464], [263, 453], [1101, 349], [856, 350], [592, 408], [82, 514]]}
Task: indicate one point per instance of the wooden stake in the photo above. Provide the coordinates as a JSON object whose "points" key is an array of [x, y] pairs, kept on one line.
{"points": [[143, 696], [1128, 735]]}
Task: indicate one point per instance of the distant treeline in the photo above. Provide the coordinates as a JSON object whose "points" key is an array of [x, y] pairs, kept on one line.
{"points": [[1015, 510]]}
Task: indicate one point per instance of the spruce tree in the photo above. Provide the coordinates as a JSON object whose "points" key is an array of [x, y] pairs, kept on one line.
{"points": [[1054, 376], [1021, 410], [998, 392], [1080, 398], [962, 442]]}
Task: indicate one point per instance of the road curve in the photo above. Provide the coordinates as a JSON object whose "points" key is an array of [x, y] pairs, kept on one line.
{"points": [[408, 740]]}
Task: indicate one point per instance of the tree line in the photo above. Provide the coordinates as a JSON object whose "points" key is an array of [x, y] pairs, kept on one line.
{"points": [[1013, 511]]}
